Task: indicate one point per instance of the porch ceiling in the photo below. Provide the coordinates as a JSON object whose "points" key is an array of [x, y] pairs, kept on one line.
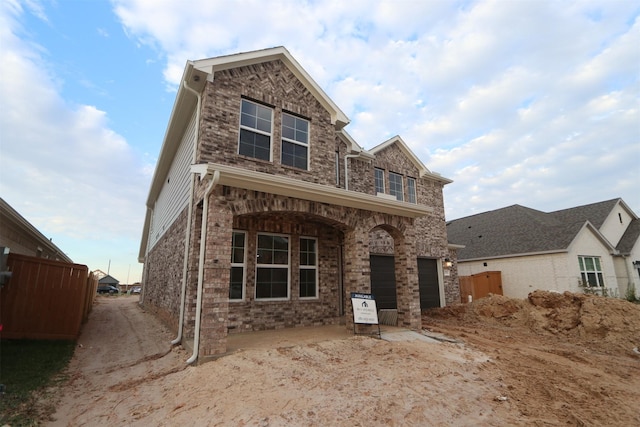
{"points": [[289, 187]]}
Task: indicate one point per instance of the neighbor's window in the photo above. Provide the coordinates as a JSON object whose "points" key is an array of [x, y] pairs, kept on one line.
{"points": [[308, 268], [411, 190], [238, 264], [591, 271], [395, 186], [295, 141], [255, 130], [379, 180], [272, 270]]}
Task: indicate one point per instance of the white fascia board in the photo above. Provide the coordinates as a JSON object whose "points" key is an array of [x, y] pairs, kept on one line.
{"points": [[183, 107], [211, 65], [424, 171], [353, 146], [455, 246], [507, 256], [289, 187], [590, 227]]}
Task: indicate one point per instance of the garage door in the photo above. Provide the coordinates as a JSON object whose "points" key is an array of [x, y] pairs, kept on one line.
{"points": [[383, 281], [428, 282]]}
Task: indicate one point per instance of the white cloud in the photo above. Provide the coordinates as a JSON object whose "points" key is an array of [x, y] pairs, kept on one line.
{"points": [[63, 168], [518, 102], [493, 84]]}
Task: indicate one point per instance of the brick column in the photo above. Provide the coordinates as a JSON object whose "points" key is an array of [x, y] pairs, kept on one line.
{"points": [[407, 286], [217, 270], [357, 268]]}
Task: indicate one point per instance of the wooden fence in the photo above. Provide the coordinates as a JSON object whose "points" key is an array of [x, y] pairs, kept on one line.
{"points": [[45, 299], [480, 285]]}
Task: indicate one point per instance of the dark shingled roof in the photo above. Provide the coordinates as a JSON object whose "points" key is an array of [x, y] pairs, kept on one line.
{"points": [[519, 230], [108, 280], [629, 238]]}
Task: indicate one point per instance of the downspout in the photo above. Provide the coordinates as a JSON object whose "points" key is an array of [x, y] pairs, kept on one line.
{"points": [[187, 238], [203, 245], [346, 169]]}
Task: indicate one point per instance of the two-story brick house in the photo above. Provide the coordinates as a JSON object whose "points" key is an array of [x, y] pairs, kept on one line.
{"points": [[264, 213]]}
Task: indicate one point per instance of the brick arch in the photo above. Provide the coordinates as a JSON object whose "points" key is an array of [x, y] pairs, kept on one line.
{"points": [[337, 216], [396, 226], [402, 231]]}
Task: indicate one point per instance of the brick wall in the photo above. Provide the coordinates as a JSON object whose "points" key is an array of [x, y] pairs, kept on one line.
{"points": [[340, 230], [274, 85], [162, 277]]}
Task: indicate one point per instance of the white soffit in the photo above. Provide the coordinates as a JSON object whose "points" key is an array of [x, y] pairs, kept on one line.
{"points": [[289, 187]]}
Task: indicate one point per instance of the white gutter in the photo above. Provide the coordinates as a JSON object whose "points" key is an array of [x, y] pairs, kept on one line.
{"points": [[187, 236], [294, 188], [203, 245]]}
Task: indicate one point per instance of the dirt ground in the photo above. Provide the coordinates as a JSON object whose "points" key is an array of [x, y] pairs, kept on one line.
{"points": [[554, 359]]}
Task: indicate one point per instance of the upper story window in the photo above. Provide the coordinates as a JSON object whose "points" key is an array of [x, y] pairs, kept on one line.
{"points": [[379, 180], [395, 186], [295, 141], [255, 130], [591, 271], [411, 190]]}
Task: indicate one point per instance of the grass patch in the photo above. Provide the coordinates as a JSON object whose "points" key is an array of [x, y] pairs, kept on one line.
{"points": [[28, 370]]}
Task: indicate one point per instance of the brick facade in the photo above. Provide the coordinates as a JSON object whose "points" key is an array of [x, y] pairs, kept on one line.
{"points": [[346, 236]]}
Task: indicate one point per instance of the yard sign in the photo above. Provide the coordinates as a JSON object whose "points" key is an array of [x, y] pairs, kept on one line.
{"points": [[364, 310]]}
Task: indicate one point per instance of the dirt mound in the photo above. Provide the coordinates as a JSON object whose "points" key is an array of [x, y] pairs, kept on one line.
{"points": [[607, 324]]}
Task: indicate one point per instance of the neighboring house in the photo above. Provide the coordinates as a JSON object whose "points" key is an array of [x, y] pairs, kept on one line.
{"points": [[263, 213], [597, 245], [109, 280], [17, 234]]}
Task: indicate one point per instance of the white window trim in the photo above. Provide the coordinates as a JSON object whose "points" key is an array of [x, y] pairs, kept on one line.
{"points": [[293, 141], [412, 191], [250, 129], [374, 182], [244, 268], [401, 186], [586, 272], [288, 267], [310, 267]]}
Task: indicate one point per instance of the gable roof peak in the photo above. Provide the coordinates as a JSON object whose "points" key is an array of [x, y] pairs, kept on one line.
{"points": [[225, 62], [423, 170]]}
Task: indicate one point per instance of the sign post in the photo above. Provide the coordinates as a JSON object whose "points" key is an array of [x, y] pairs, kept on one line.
{"points": [[364, 310]]}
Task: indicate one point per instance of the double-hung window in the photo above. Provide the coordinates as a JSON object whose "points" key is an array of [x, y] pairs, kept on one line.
{"points": [[295, 141], [591, 271], [379, 180], [238, 265], [255, 130], [411, 190], [395, 186], [308, 267], [272, 267]]}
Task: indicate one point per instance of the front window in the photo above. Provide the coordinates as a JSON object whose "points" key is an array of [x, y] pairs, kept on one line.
{"points": [[395, 186], [411, 190], [255, 131], [238, 264], [308, 268], [295, 141], [379, 180], [591, 271], [272, 269]]}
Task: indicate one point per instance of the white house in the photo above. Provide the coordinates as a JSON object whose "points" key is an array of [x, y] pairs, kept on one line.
{"points": [[595, 245]]}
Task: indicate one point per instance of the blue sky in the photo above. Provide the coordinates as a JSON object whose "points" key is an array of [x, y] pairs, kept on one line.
{"points": [[519, 102]]}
